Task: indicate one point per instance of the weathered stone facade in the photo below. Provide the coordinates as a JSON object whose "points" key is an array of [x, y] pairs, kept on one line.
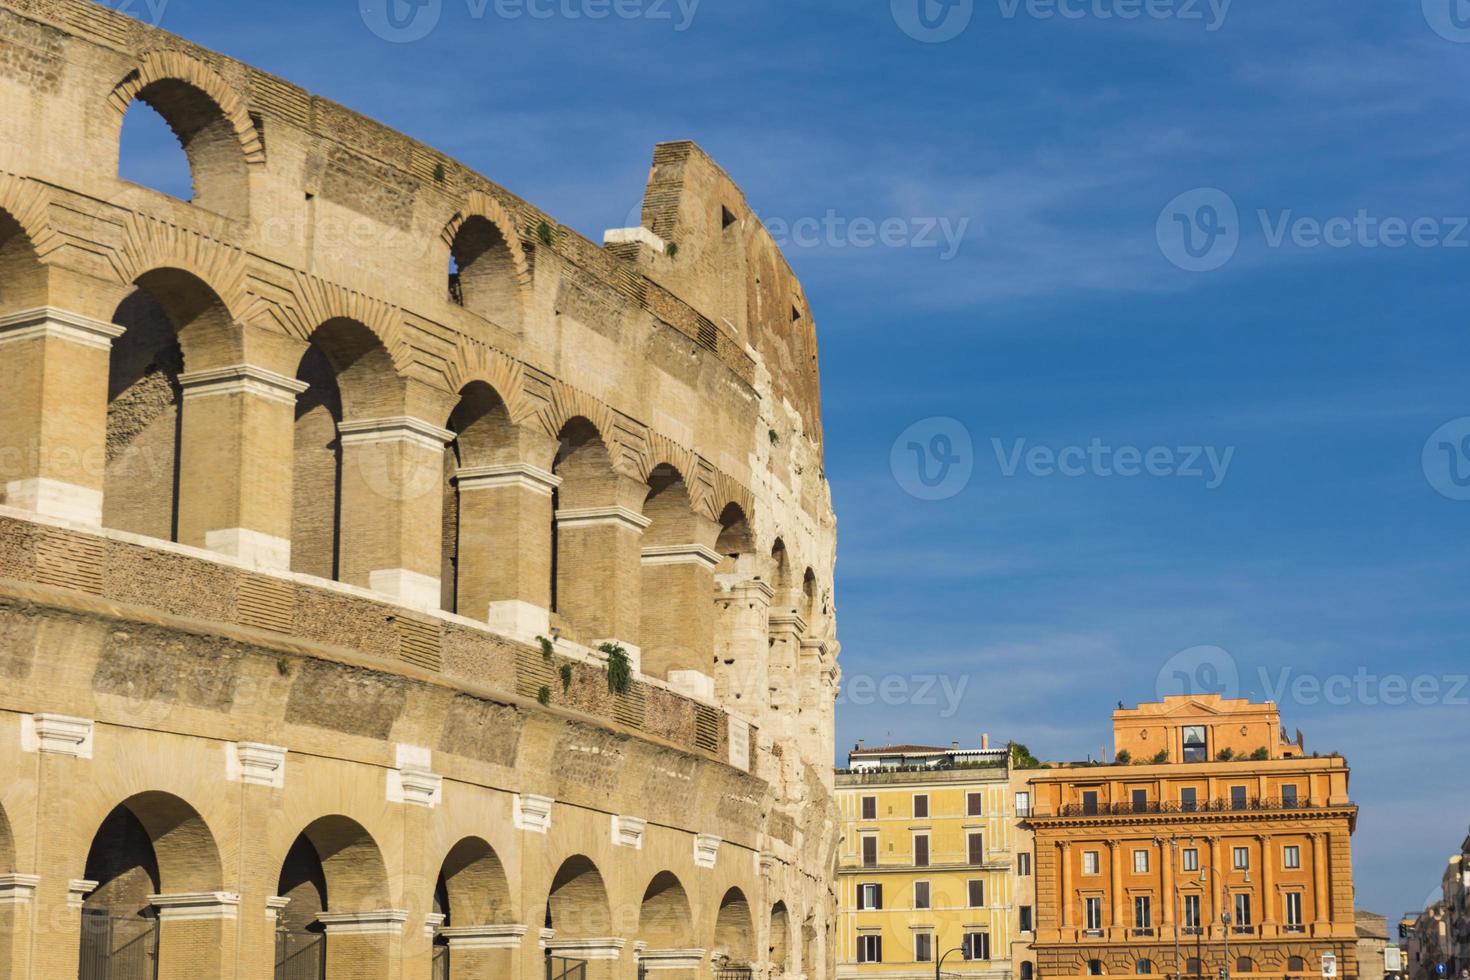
{"points": [[332, 502]]}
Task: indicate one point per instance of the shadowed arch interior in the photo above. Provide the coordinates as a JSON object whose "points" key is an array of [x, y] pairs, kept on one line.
{"points": [[474, 886], [734, 936], [149, 844], [669, 509], [23, 277], [577, 907], [736, 541], [217, 166], [664, 918], [353, 876], [584, 465], [483, 433], [779, 950], [483, 273]]}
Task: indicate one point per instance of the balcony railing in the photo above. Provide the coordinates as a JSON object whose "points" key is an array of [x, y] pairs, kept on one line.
{"points": [[1161, 806]]}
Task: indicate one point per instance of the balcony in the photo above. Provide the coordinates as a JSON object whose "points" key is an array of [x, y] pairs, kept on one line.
{"points": [[1252, 804]]}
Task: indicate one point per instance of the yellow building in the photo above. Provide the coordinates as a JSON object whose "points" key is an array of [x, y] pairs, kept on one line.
{"points": [[929, 848], [1212, 847]]}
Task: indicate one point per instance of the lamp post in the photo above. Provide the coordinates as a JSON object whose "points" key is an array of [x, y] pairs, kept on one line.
{"points": [[1225, 917], [943, 956]]}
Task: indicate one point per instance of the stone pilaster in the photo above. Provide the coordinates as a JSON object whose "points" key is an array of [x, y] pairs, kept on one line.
{"points": [[742, 642], [235, 476], [364, 945], [53, 418], [678, 612], [505, 547], [196, 935], [783, 672], [484, 951], [393, 507], [598, 572]]}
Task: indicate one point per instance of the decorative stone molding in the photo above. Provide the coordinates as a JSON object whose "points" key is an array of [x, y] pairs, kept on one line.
{"points": [[56, 498], [256, 764], [378, 922], [593, 516], [630, 236], [682, 554], [707, 850], [788, 624], [77, 891], [602, 948], [18, 889], [275, 905], [55, 324], [432, 922], [241, 379], [671, 959], [532, 813], [252, 547], [521, 475], [544, 936], [414, 781], [407, 586], [628, 831], [519, 619], [768, 862], [57, 735], [402, 428], [484, 937], [195, 906]]}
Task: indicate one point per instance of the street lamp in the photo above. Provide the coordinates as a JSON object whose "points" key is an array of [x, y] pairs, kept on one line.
{"points": [[940, 965]]}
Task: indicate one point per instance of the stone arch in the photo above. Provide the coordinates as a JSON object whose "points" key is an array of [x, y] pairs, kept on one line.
{"points": [[7, 909], [1296, 964], [1245, 964], [483, 436], [734, 933], [670, 509], [337, 857], [172, 321], [811, 602], [780, 571], [480, 205], [24, 278], [484, 276], [778, 950], [664, 917], [208, 117], [475, 887], [585, 528], [577, 906], [736, 540]]}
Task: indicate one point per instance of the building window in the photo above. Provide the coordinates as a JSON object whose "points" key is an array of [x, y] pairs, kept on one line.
{"points": [[1144, 967], [1195, 749], [1242, 911], [1023, 864], [870, 808], [1094, 914], [1294, 910], [1026, 923], [1143, 913], [921, 806], [974, 804], [977, 945], [870, 852], [923, 947], [1237, 797], [1191, 859], [1191, 912], [1242, 861], [1295, 964], [1090, 863], [1245, 965], [1288, 796], [1140, 862], [1291, 856], [870, 896], [1193, 967], [1028, 972], [1140, 801], [1023, 804], [921, 894], [921, 850], [1094, 968], [977, 847], [870, 949], [976, 893], [1189, 799], [1089, 801]]}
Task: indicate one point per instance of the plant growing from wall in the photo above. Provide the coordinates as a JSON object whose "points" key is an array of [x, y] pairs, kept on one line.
{"points": [[544, 695], [543, 232], [545, 648], [619, 668], [1225, 754], [438, 173], [1161, 758], [1260, 754], [1123, 758], [671, 249], [566, 677]]}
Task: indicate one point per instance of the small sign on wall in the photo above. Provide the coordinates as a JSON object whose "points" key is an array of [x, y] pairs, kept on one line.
{"points": [[1329, 966]]}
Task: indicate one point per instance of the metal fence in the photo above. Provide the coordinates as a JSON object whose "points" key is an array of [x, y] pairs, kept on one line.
{"points": [[735, 973], [300, 955], [118, 947], [440, 963], [560, 968]]}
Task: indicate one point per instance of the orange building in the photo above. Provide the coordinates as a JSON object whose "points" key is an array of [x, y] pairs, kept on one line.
{"points": [[1211, 847]]}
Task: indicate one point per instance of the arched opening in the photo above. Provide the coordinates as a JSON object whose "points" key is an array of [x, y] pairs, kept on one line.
{"points": [[810, 600], [580, 918], [31, 390], [1095, 968], [23, 278], [149, 850], [332, 881], [664, 919], [473, 896], [348, 376], [734, 943], [1028, 970], [1245, 965], [7, 909], [779, 951], [218, 179], [482, 273], [583, 551], [736, 540], [780, 573], [150, 154], [677, 582], [1296, 964], [473, 545]]}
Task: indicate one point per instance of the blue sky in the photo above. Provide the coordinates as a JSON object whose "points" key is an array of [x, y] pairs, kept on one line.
{"points": [[1052, 150]]}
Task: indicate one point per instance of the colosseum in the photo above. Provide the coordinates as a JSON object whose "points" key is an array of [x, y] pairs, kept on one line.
{"points": [[394, 583]]}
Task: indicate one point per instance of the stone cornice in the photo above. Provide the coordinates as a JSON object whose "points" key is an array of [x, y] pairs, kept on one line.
{"points": [[522, 475], [378, 922], [591, 516], [58, 324], [241, 379], [681, 554], [402, 428]]}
